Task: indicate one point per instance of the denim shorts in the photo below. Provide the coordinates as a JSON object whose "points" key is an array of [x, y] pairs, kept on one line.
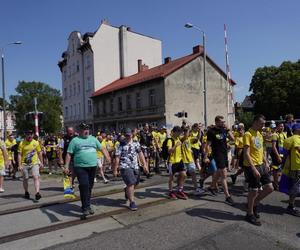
{"points": [[130, 176], [190, 167]]}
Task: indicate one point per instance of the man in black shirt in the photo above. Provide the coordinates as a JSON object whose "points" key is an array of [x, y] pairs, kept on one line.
{"points": [[217, 141], [146, 140]]}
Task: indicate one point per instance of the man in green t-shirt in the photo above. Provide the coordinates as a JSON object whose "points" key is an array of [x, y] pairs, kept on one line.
{"points": [[83, 148]]}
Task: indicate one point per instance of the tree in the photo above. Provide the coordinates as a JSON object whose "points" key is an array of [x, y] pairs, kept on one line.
{"points": [[48, 100], [276, 90]]}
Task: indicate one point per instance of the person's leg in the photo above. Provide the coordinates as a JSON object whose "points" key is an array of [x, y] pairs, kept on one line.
{"points": [[181, 179], [1, 182], [267, 189], [130, 192], [91, 178], [252, 195], [83, 179], [25, 178], [223, 175]]}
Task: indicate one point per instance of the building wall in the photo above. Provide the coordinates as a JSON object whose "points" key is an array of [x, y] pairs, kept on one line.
{"points": [[10, 122], [101, 65], [135, 116], [184, 91]]}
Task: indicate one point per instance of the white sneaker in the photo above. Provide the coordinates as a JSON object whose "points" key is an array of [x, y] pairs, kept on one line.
{"points": [[95, 180], [1, 190], [199, 191], [105, 181]]}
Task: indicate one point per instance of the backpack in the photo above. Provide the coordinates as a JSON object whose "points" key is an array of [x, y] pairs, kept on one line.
{"points": [[165, 150]]}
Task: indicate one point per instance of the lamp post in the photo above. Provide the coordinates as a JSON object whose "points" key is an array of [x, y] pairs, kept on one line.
{"points": [[189, 25], [3, 85]]}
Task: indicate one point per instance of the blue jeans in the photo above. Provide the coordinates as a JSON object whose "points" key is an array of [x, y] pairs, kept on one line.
{"points": [[85, 176]]}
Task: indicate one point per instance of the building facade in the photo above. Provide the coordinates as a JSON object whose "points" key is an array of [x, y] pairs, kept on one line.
{"points": [[154, 95], [95, 59], [10, 122]]}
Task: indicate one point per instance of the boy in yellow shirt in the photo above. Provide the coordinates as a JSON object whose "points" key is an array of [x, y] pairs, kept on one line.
{"points": [[3, 164], [256, 169], [175, 164]]}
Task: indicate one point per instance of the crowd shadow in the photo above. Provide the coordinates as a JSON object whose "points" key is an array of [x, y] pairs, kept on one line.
{"points": [[57, 189], [214, 215], [151, 193]]}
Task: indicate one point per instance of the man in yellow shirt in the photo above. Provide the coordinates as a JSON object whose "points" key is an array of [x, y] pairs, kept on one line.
{"points": [[10, 143], [175, 164], [256, 169], [3, 164], [293, 145], [30, 158]]}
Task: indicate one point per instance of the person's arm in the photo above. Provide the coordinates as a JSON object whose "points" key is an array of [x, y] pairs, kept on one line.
{"points": [[206, 150], [5, 155], [248, 158], [275, 151], [143, 161], [106, 154], [172, 149], [67, 163], [231, 136], [20, 161]]}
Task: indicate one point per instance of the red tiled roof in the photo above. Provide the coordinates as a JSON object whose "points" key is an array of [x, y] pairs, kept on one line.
{"points": [[160, 71]]}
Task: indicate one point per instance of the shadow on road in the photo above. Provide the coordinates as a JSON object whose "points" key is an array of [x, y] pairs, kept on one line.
{"points": [[214, 215], [58, 189]]}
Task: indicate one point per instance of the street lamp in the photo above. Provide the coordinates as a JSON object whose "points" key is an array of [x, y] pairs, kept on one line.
{"points": [[3, 85], [189, 25]]}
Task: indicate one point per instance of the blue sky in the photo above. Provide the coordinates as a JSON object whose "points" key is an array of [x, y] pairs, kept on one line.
{"points": [[260, 32]]}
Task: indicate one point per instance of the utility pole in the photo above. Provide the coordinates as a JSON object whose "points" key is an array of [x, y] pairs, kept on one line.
{"points": [[36, 117]]}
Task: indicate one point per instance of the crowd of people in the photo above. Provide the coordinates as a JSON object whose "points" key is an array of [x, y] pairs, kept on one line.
{"points": [[261, 153]]}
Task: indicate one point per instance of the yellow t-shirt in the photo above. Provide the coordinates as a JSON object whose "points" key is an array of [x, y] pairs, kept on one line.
{"points": [[254, 140], [187, 153], [2, 163], [29, 152], [176, 156], [99, 152], [162, 137], [239, 141], [9, 144], [194, 140], [292, 143]]}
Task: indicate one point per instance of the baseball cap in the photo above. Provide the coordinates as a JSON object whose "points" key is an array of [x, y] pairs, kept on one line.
{"points": [[296, 126], [128, 131]]}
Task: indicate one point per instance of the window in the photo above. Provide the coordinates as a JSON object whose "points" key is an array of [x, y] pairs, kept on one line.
{"points": [[88, 61], [71, 111], [69, 71], [104, 107], [73, 68], [66, 112], [111, 105], [74, 108], [88, 84], [79, 110], [65, 93], [120, 103], [77, 67], [128, 102], [89, 106], [64, 75], [74, 88], [138, 100], [152, 97], [70, 91], [78, 88]]}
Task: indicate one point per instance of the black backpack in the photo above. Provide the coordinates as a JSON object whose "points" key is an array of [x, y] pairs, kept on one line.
{"points": [[165, 150]]}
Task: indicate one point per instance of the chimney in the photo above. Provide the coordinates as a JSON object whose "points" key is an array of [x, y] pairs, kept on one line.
{"points": [[197, 49], [128, 28], [167, 60], [140, 65]]}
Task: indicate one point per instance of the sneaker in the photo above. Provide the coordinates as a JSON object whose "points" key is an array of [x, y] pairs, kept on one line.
{"points": [[27, 195], [229, 201], [38, 196], [201, 183], [181, 195], [105, 181], [95, 180], [1, 190], [133, 206], [252, 219], [90, 210], [50, 173], [293, 211], [255, 213], [213, 191], [199, 191], [233, 178], [85, 213], [172, 195]]}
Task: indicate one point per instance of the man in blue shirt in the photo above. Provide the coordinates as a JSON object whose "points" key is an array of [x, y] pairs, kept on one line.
{"points": [[83, 149]]}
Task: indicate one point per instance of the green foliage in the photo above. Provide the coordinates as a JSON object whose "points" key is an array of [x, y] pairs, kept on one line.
{"points": [[246, 118], [48, 101], [276, 90]]}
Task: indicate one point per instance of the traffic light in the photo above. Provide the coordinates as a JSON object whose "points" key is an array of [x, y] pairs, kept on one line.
{"points": [[181, 114]]}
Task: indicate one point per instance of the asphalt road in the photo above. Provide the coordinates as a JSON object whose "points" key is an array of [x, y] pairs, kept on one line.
{"points": [[199, 223]]}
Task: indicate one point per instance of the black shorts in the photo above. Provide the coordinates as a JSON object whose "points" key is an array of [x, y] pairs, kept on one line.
{"points": [[176, 167], [196, 153], [130, 176], [221, 161], [254, 182]]}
